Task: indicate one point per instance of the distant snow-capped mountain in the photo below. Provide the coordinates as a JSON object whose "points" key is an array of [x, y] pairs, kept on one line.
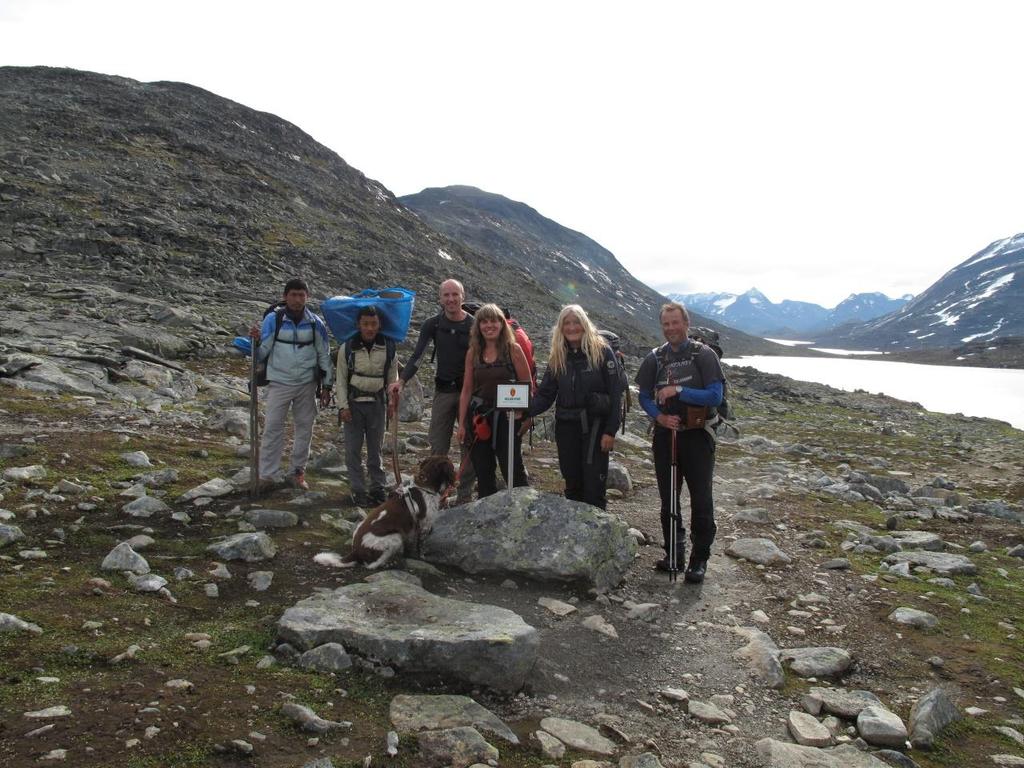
{"points": [[980, 301], [754, 313]]}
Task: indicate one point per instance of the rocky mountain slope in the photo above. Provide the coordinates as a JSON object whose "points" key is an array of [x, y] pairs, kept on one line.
{"points": [[977, 306], [755, 313], [166, 217], [573, 266]]}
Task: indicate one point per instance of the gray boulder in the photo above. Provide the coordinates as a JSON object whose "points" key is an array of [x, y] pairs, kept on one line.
{"points": [[329, 657], [271, 518], [124, 558], [943, 563], [762, 655], [136, 459], [145, 506], [844, 703], [619, 479], [914, 618], [411, 406], [403, 625], [410, 713], [539, 535], [817, 662], [880, 727], [11, 623], [456, 747], [578, 736], [250, 547], [10, 534], [760, 551], [926, 540], [24, 474], [929, 715], [234, 421], [779, 754], [218, 486]]}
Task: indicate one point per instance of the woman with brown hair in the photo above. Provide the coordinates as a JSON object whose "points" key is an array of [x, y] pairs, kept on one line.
{"points": [[493, 358]]}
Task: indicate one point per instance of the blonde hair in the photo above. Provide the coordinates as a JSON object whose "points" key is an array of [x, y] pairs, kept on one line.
{"points": [[592, 344], [476, 339]]}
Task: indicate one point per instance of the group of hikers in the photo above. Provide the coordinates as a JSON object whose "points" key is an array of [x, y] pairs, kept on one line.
{"points": [[680, 387]]}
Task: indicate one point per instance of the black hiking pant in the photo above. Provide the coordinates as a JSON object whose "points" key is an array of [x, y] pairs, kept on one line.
{"points": [[486, 459], [695, 452], [583, 464]]}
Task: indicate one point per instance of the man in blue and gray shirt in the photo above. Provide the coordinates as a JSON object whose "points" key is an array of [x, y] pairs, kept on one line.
{"points": [[681, 384], [294, 343]]}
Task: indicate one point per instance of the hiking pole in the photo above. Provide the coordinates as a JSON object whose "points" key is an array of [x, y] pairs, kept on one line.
{"points": [[393, 414], [673, 515], [254, 426]]}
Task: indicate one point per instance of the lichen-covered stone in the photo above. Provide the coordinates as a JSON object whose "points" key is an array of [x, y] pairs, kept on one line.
{"points": [[405, 626], [538, 535]]}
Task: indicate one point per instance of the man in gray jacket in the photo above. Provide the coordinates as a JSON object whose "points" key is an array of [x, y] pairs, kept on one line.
{"points": [[294, 343], [366, 365]]}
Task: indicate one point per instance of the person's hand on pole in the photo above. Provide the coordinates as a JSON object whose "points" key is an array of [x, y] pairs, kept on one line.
{"points": [[607, 443], [395, 388], [255, 332], [669, 422], [526, 424], [325, 397]]}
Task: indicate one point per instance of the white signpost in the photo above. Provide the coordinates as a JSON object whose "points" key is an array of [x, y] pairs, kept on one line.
{"points": [[511, 398]]}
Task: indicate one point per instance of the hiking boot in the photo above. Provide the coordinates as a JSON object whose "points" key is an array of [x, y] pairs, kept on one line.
{"points": [[695, 571], [378, 496], [299, 480], [360, 499]]}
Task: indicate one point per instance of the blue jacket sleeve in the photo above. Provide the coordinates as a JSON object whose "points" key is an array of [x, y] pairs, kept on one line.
{"points": [[711, 395], [266, 337], [649, 405]]}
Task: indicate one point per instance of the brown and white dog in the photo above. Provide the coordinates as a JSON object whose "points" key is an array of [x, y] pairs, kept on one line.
{"points": [[407, 513]]}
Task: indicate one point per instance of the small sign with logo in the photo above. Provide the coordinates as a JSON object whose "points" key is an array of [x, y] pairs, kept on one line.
{"points": [[513, 396]]}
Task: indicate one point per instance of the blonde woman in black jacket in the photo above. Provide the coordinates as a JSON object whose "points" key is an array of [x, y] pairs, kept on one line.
{"points": [[582, 382]]}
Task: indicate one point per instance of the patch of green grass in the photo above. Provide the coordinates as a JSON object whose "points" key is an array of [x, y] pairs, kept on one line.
{"points": [[182, 755]]}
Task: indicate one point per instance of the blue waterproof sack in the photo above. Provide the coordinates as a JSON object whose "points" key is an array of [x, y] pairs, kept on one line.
{"points": [[243, 344], [394, 307]]}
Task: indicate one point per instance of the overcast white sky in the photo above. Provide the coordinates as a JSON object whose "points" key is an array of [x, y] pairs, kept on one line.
{"points": [[811, 149]]}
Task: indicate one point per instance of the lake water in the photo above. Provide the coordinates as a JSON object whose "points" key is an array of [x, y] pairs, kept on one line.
{"points": [[994, 392]]}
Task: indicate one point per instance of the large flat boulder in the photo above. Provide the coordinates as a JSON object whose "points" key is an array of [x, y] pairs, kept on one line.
{"points": [[943, 563], [537, 535], [779, 754], [405, 626]]}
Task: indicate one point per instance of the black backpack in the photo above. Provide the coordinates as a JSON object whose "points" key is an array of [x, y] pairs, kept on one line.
{"points": [[698, 335], [612, 340]]}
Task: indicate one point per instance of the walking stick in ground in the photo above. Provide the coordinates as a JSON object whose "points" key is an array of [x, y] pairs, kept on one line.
{"points": [[254, 427], [393, 415], [673, 516]]}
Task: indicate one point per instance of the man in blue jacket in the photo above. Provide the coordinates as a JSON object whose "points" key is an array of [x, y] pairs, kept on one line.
{"points": [[681, 384], [294, 343]]}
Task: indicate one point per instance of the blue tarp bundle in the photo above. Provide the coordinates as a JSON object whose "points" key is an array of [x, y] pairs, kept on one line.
{"points": [[243, 344], [394, 307]]}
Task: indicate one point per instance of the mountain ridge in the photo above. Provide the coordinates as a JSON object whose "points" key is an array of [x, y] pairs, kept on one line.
{"points": [[755, 313], [514, 231]]}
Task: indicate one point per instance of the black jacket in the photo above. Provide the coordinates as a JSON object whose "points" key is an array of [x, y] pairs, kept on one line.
{"points": [[583, 390]]}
